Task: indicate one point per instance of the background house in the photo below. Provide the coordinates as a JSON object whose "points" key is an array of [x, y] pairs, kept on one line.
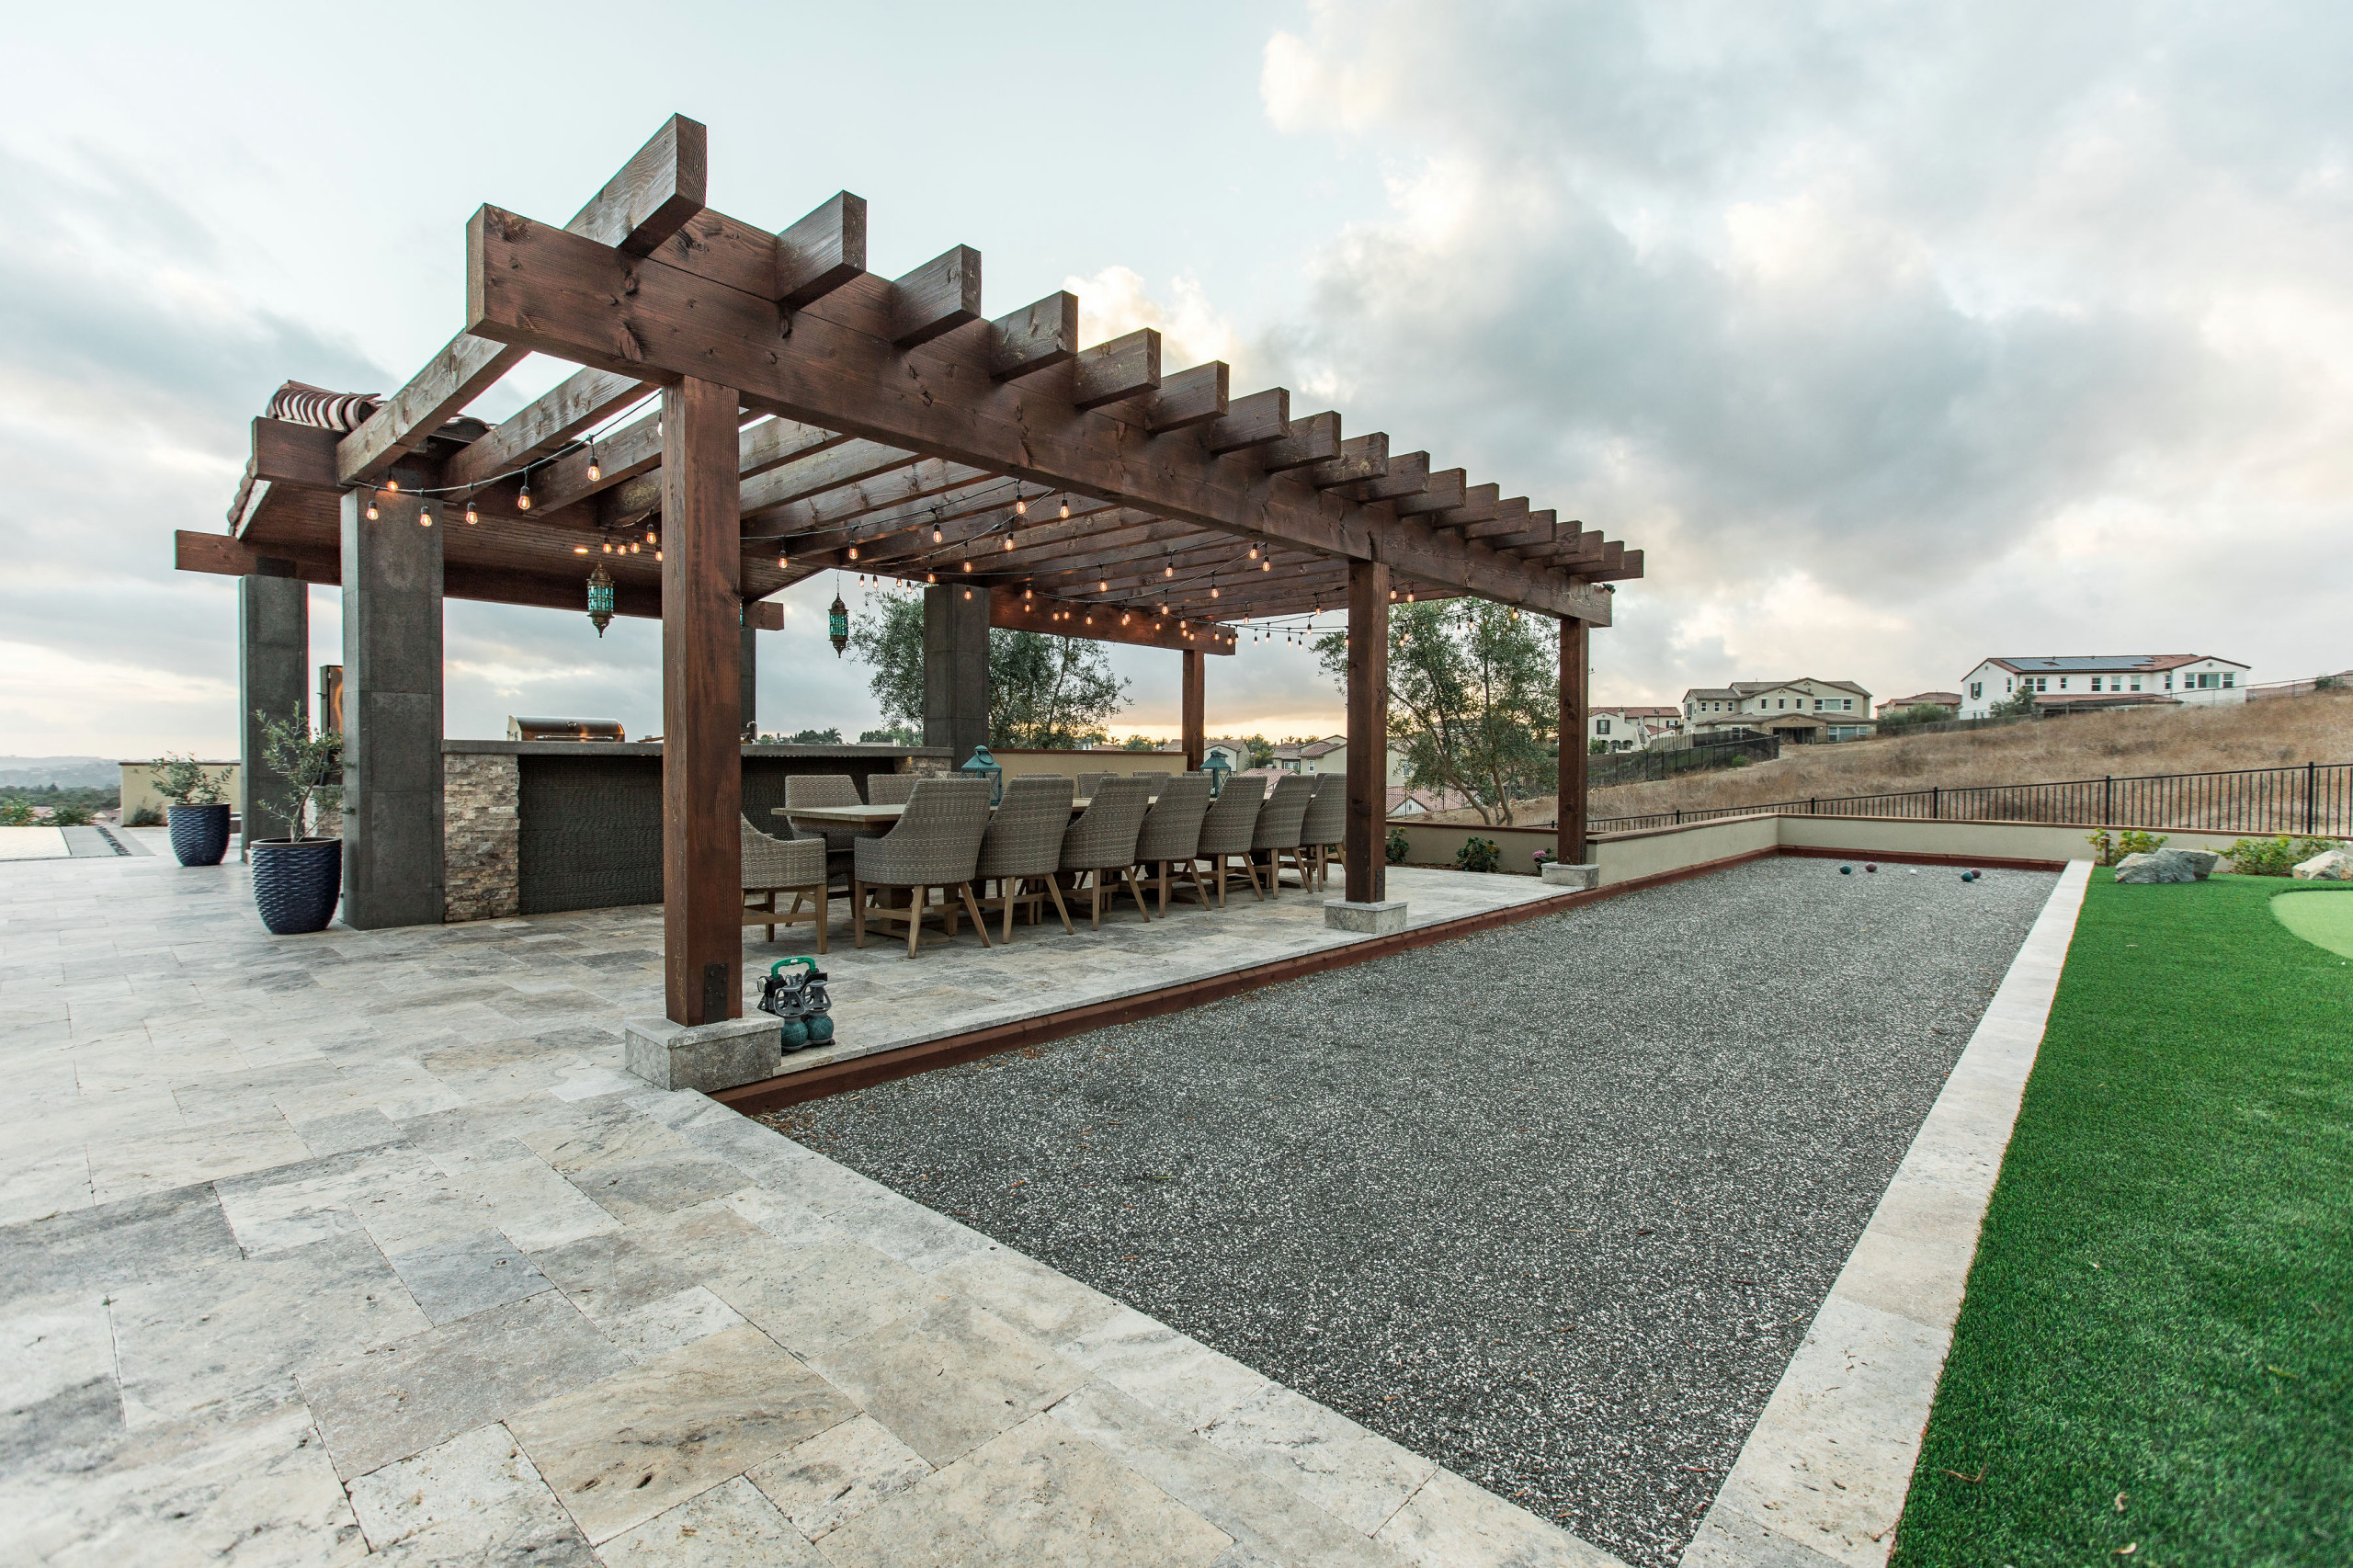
{"points": [[1801, 710], [1235, 752], [2080, 682], [1947, 700], [1632, 728], [1330, 754]]}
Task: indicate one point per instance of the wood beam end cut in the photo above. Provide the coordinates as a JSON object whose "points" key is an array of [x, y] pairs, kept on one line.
{"points": [[942, 295]]}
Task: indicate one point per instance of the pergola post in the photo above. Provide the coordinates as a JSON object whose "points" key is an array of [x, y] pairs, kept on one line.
{"points": [[273, 666], [1363, 853], [955, 670], [702, 774], [748, 681], [392, 712], [1568, 819], [1193, 726]]}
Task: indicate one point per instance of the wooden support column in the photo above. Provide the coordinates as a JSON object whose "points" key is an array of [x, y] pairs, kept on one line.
{"points": [[748, 684], [702, 771], [273, 679], [392, 712], [1570, 819], [955, 670], [1193, 725], [1363, 852]]}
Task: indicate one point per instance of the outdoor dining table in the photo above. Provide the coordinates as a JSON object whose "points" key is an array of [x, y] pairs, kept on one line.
{"points": [[876, 816]]}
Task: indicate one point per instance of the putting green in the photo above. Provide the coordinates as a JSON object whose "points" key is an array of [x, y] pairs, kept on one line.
{"points": [[2322, 916]]}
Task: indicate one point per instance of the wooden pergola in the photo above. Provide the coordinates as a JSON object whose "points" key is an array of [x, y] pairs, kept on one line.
{"points": [[806, 417]]}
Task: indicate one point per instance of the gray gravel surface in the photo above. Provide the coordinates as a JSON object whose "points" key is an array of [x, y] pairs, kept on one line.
{"points": [[1551, 1205]]}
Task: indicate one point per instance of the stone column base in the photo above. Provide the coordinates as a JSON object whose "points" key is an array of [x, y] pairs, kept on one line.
{"points": [[1560, 876], [1384, 919], [705, 1056]]}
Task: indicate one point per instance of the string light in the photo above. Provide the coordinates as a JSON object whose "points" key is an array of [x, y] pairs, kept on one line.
{"points": [[1266, 565], [423, 516], [594, 472], [1065, 511], [473, 516], [936, 535], [1104, 586], [968, 593], [1025, 596], [930, 577], [783, 562], [579, 549], [1009, 541], [1254, 550], [1020, 507], [372, 508], [523, 500], [853, 555], [392, 485], [652, 537], [1169, 570]]}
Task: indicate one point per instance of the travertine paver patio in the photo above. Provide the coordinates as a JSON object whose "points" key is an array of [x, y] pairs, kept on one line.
{"points": [[360, 1244]]}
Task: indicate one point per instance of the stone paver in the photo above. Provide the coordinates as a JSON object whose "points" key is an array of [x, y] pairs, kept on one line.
{"points": [[361, 1246]]}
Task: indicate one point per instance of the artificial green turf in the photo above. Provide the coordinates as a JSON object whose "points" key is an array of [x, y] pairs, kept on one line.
{"points": [[2162, 1302], [2327, 922]]}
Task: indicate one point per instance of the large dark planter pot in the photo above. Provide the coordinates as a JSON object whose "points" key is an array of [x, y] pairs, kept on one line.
{"points": [[200, 833], [296, 882]]}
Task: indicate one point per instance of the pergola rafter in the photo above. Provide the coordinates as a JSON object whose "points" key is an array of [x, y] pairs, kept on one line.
{"points": [[814, 416]]}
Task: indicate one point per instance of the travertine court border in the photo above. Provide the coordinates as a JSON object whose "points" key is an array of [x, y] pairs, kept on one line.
{"points": [[1822, 1478]]}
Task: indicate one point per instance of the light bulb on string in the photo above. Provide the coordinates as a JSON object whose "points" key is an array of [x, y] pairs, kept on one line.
{"points": [[1065, 511], [392, 485], [372, 508], [936, 535], [523, 497], [594, 472], [1009, 541], [853, 552], [473, 516], [651, 537], [783, 562], [930, 577], [425, 517]]}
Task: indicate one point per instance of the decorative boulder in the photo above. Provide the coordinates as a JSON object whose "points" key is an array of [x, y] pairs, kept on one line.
{"points": [[2201, 861], [2165, 866], [2328, 865]]}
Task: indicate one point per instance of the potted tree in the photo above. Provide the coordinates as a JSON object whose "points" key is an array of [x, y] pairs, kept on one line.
{"points": [[298, 878], [196, 813]]}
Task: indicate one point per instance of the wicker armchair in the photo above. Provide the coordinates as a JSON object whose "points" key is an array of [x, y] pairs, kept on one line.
{"points": [[1172, 831], [890, 788], [1324, 827], [772, 865], [1023, 847], [1278, 824], [1103, 840], [1226, 832], [936, 844], [820, 790], [1157, 779], [1087, 782]]}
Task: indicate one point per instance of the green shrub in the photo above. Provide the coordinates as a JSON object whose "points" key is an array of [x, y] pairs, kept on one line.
{"points": [[1479, 855], [69, 817], [144, 817], [1395, 846], [2111, 847], [17, 813], [2274, 857]]}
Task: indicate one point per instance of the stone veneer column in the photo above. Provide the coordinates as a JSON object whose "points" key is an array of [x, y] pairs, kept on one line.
{"points": [[273, 660], [392, 713], [955, 671], [480, 835]]}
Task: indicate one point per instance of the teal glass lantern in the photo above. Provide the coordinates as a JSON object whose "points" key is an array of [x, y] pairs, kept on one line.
{"points": [[980, 765], [600, 597], [838, 625], [1217, 768]]}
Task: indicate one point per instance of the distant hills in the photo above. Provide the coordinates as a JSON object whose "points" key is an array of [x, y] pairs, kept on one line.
{"points": [[65, 772]]}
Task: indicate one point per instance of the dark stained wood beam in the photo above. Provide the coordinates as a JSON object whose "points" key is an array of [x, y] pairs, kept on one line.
{"points": [[1361, 458], [822, 252], [1187, 398], [654, 194], [1511, 517], [1480, 503], [1124, 367], [579, 401], [1251, 421], [1035, 338], [1443, 491], [1315, 439], [1100, 623], [935, 298], [1406, 475], [466, 367], [850, 462]]}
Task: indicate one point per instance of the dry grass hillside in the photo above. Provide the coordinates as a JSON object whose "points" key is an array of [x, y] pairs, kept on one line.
{"points": [[2273, 734]]}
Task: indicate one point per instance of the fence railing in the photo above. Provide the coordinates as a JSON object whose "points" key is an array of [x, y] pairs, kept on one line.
{"points": [[1650, 767], [2315, 798]]}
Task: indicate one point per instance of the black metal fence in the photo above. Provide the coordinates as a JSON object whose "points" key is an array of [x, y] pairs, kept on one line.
{"points": [[1650, 767], [2315, 799]]}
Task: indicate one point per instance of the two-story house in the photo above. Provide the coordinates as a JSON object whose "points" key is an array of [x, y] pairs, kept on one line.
{"points": [[2082, 682], [1804, 709], [1330, 754], [1633, 727]]}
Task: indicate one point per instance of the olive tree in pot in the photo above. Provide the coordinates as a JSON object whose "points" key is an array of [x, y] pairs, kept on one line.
{"points": [[197, 815], [297, 879]]}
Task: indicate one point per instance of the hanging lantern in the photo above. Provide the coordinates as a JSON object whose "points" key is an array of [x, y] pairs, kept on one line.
{"points": [[600, 597], [838, 625]]}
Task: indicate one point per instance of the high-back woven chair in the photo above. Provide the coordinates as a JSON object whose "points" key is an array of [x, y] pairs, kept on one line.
{"points": [[1227, 831], [936, 844], [1086, 783], [826, 789], [1326, 825], [890, 788], [1157, 779], [1278, 824], [1023, 845], [1172, 831], [1102, 842], [773, 866]]}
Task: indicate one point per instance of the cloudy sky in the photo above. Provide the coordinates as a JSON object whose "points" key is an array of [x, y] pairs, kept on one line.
{"points": [[1896, 335]]}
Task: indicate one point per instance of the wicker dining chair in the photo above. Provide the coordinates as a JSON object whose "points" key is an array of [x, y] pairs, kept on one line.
{"points": [[1157, 778], [1324, 826], [1280, 820], [773, 866], [936, 844], [1102, 842], [890, 788], [1086, 782], [1023, 848], [1227, 830], [1172, 832], [823, 789]]}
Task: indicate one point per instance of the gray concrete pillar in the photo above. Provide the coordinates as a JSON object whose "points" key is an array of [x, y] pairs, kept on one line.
{"points": [[273, 668], [392, 713], [955, 670], [750, 678]]}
